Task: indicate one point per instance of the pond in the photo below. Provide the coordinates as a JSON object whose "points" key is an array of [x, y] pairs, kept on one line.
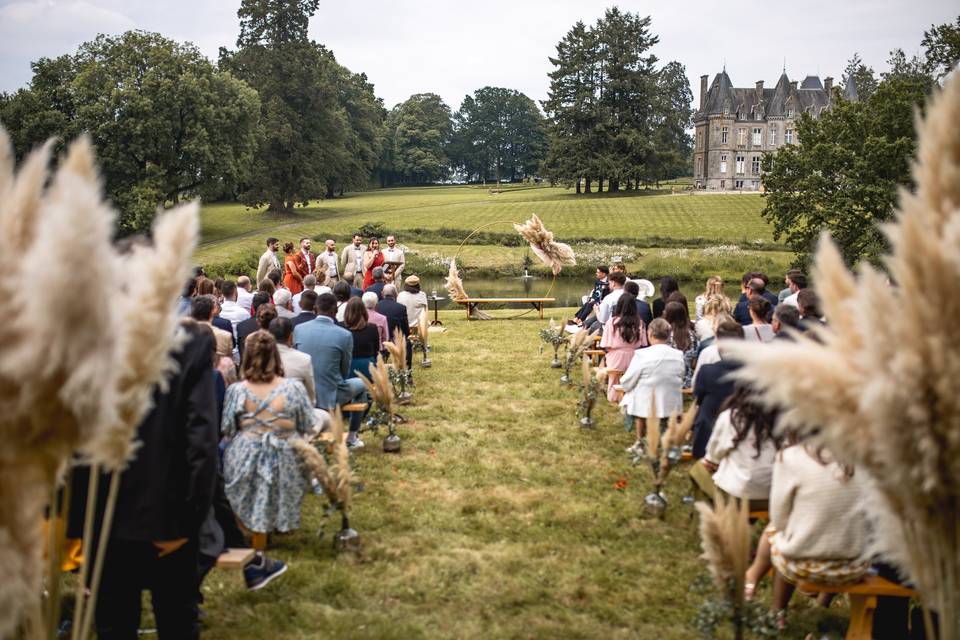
{"points": [[567, 291]]}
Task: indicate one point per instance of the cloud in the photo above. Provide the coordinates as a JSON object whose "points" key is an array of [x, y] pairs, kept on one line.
{"points": [[31, 29]]}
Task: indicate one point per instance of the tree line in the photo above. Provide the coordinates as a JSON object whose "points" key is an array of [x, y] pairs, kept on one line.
{"points": [[277, 121], [852, 159]]}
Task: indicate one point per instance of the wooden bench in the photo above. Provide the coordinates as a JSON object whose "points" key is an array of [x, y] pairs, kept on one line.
{"points": [[596, 355], [356, 406], [472, 304], [235, 558], [863, 601]]}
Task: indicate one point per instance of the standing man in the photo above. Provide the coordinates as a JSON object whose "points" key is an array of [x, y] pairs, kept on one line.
{"points": [[165, 493], [393, 253], [352, 259], [306, 259], [329, 263], [269, 261], [330, 348]]}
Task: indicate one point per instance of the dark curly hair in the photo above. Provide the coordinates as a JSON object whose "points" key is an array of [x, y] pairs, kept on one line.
{"points": [[747, 413]]}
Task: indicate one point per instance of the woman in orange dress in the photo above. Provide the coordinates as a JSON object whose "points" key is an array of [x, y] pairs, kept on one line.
{"points": [[372, 258], [292, 279]]}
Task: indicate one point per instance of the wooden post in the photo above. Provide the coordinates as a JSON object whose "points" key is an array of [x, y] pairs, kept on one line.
{"points": [[258, 541]]}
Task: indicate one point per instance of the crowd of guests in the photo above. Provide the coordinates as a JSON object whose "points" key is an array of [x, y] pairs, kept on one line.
{"points": [[263, 366], [656, 354]]}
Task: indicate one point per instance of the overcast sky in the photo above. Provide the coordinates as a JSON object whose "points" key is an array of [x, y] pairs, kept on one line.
{"points": [[454, 48]]}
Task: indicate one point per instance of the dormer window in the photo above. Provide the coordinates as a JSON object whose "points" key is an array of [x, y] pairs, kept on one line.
{"points": [[790, 112]]}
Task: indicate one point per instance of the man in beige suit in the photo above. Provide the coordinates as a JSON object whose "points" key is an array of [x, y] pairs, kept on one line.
{"points": [[352, 259], [269, 261], [296, 364]]}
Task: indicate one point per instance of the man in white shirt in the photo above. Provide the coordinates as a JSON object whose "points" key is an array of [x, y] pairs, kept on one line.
{"points": [[607, 305], [244, 292], [329, 263], [352, 259], [268, 261], [393, 253], [795, 281], [283, 301], [230, 310]]}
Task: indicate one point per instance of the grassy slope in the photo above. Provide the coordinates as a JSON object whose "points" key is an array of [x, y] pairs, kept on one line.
{"points": [[229, 229], [499, 519]]}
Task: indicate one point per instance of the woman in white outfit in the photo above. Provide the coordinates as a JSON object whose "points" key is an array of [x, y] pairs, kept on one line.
{"points": [[655, 374]]}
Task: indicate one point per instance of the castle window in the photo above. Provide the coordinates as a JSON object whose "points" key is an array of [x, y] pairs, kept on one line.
{"points": [[757, 136], [723, 163], [755, 165], [791, 112], [772, 135], [740, 165], [724, 134], [788, 136], [738, 184], [741, 136]]}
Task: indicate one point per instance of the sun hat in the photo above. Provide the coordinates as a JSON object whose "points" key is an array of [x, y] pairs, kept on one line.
{"points": [[412, 281]]}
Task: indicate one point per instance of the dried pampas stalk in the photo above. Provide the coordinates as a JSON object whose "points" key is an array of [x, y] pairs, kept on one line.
{"points": [[379, 387], [587, 373], [341, 463], [454, 285], [653, 426], [601, 374], [725, 538], [880, 389], [397, 348], [314, 465], [423, 328], [555, 255]]}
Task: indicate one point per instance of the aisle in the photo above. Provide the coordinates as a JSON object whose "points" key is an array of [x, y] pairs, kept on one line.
{"points": [[500, 518]]}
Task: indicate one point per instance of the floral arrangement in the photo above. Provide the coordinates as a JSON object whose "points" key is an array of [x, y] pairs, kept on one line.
{"points": [[576, 345], [554, 336], [555, 255]]}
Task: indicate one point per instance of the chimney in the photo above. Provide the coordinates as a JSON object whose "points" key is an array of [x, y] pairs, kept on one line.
{"points": [[703, 91], [828, 85], [760, 89]]}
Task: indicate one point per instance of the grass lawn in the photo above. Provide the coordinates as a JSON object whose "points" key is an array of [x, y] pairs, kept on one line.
{"points": [[233, 236], [500, 519]]}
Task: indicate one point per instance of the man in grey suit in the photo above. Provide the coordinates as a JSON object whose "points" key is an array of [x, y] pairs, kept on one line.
{"points": [[331, 349]]}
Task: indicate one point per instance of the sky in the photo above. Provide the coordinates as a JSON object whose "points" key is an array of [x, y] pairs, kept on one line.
{"points": [[454, 48]]}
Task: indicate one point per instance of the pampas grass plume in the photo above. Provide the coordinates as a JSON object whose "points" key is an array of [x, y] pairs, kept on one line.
{"points": [[880, 387], [725, 539], [555, 255], [454, 285]]}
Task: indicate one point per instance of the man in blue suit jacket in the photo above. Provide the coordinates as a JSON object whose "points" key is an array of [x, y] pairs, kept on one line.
{"points": [[331, 349]]}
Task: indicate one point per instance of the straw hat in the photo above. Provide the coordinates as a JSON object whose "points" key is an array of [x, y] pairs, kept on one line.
{"points": [[414, 281]]}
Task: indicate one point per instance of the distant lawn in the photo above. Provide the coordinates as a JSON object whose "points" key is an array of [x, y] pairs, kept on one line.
{"points": [[231, 232]]}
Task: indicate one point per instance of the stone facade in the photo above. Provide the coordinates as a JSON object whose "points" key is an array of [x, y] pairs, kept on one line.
{"points": [[736, 126]]}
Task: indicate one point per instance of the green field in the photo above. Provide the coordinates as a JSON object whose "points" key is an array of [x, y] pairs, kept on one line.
{"points": [[433, 220], [501, 518]]}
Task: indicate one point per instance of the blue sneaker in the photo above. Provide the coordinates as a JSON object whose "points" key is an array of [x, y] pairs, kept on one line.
{"points": [[261, 571]]}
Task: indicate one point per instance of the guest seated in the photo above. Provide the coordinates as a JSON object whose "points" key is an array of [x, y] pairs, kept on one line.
{"points": [[654, 372], [263, 314], [413, 299], [785, 317], [263, 478], [808, 304], [714, 288], [366, 337], [713, 384], [741, 451], [282, 300], [623, 334], [374, 317], [668, 284], [815, 532], [297, 365], [715, 304], [682, 337], [606, 306], [396, 315], [643, 309], [378, 283], [601, 288], [759, 330], [710, 354], [343, 292]]}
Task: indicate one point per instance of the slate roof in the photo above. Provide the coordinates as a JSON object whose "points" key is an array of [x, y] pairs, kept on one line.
{"points": [[752, 105]]}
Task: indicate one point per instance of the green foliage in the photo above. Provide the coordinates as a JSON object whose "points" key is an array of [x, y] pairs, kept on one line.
{"points": [[942, 44], [859, 81], [417, 137], [844, 176], [498, 134], [613, 115], [165, 123]]}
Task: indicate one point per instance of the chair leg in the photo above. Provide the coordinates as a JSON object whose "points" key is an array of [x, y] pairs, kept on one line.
{"points": [[258, 541], [862, 608]]}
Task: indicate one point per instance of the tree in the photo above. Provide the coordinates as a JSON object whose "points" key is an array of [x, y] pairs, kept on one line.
{"points": [[165, 123], [942, 45], [609, 115], [419, 131], [498, 133], [302, 136], [844, 176], [864, 79]]}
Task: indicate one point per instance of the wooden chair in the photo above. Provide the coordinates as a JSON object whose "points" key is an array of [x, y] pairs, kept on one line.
{"points": [[863, 601], [235, 558]]}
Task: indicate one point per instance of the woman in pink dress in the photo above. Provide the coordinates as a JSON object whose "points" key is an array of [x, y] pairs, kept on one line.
{"points": [[372, 258], [623, 334]]}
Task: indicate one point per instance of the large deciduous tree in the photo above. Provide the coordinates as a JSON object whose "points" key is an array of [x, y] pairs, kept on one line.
{"points": [[498, 134], [417, 137], [165, 123]]}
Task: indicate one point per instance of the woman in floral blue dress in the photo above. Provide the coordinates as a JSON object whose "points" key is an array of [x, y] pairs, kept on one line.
{"points": [[264, 478]]}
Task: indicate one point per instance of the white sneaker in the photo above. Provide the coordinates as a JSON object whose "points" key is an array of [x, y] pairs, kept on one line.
{"points": [[637, 447], [356, 443]]}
